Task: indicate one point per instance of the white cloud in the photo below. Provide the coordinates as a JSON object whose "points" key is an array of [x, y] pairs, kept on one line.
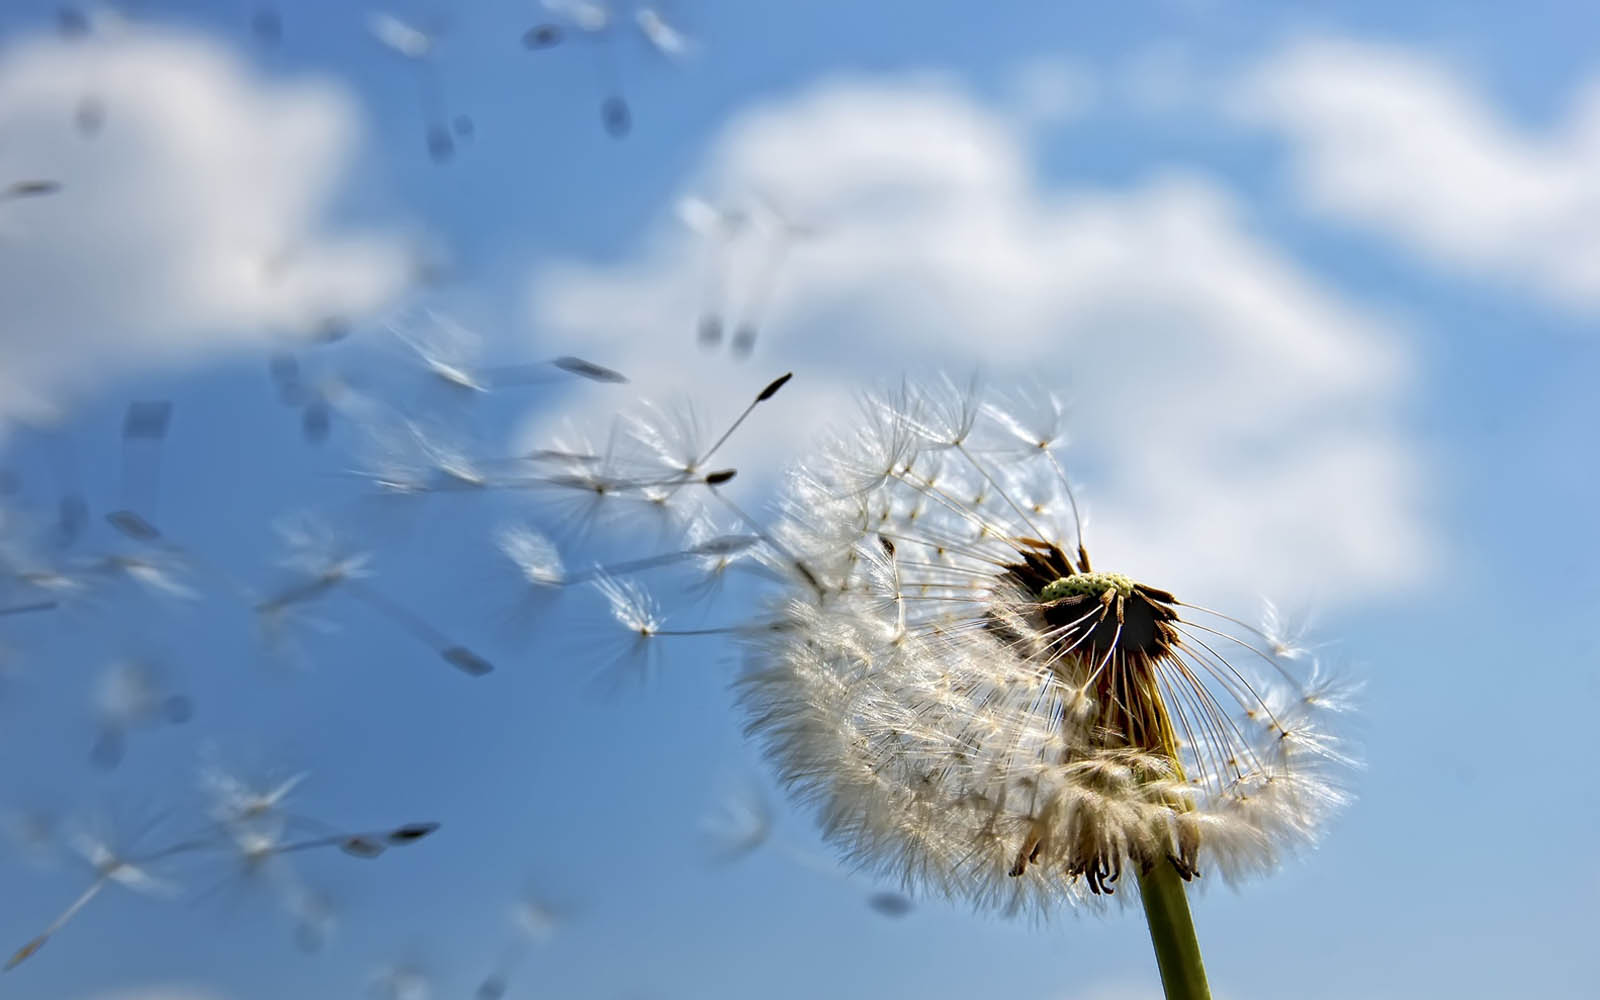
{"points": [[1395, 141], [1233, 417], [192, 222]]}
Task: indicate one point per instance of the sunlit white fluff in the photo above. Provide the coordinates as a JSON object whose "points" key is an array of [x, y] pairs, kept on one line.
{"points": [[535, 557], [968, 702], [942, 680]]}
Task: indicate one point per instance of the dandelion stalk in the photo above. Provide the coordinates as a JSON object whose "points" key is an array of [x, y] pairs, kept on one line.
{"points": [[1166, 910]]}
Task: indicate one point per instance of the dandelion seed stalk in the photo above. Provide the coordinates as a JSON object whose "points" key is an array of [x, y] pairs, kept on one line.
{"points": [[1166, 910]]}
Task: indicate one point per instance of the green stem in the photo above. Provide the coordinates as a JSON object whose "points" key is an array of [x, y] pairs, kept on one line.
{"points": [[1166, 910]]}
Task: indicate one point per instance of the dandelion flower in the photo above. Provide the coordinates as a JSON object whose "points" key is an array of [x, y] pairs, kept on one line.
{"points": [[974, 707]]}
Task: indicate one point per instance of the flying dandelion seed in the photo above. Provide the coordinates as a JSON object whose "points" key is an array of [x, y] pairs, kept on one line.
{"points": [[746, 250], [777, 236], [979, 711], [534, 921], [447, 353], [890, 904], [315, 918], [599, 24], [719, 228], [156, 572], [235, 801], [742, 823], [662, 36], [144, 429], [593, 22], [259, 847], [326, 564], [739, 825], [316, 397], [110, 867], [78, 27], [416, 46], [132, 695], [402, 981], [34, 831], [18, 190]]}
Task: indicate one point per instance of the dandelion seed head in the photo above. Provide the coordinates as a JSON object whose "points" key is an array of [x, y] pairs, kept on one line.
{"points": [[975, 708]]}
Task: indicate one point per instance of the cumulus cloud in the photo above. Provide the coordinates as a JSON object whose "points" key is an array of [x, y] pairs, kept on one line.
{"points": [[1233, 417], [191, 220], [1397, 142]]}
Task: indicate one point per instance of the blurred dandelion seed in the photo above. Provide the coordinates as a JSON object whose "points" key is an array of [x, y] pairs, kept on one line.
{"points": [[742, 823], [739, 825], [598, 24], [402, 982], [778, 236], [534, 921], [130, 695], [325, 564], [18, 190], [416, 46], [752, 243], [110, 867], [890, 904], [719, 228], [144, 429], [662, 36]]}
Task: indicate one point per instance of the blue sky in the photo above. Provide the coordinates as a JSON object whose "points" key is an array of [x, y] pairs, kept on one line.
{"points": [[1320, 287]]}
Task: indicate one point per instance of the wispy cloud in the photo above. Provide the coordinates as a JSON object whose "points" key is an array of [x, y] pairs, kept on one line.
{"points": [[1233, 415]]}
